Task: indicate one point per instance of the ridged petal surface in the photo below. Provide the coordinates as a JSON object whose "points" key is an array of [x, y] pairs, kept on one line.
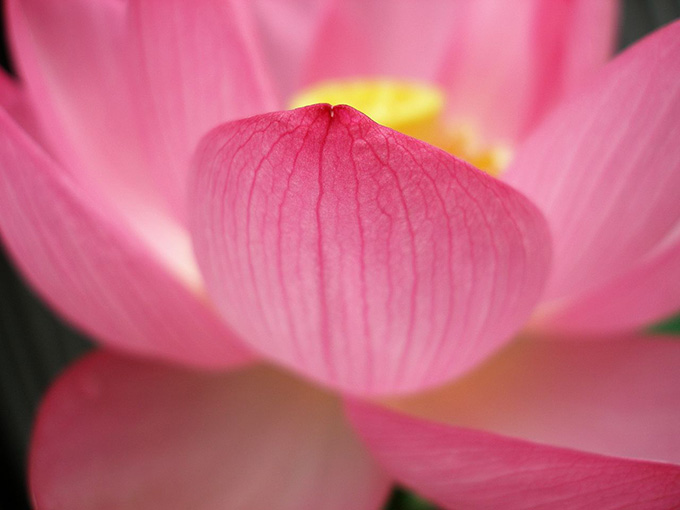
{"points": [[365, 259]]}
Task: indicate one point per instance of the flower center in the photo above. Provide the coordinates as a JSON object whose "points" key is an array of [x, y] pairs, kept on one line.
{"points": [[414, 109]]}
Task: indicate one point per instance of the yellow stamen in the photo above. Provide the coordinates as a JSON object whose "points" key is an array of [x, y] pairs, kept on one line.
{"points": [[413, 109], [409, 108]]}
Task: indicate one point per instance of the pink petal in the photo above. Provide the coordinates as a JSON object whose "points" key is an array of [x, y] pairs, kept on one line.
{"points": [[644, 295], [613, 398], [71, 56], [286, 30], [461, 468], [9, 90], [197, 67], [399, 38], [509, 62], [14, 101], [91, 268], [563, 425], [365, 259], [503, 64], [605, 169], [120, 434]]}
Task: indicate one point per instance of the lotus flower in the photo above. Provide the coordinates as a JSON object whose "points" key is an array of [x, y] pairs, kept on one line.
{"points": [[320, 305]]}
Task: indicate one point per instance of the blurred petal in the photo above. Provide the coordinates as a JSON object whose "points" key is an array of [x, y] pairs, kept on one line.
{"points": [[503, 64], [71, 56], [124, 435], [14, 101], [614, 398], [605, 169], [587, 40], [368, 260], [395, 38], [644, 295], [509, 62], [9, 90], [462, 468], [197, 67], [562, 425], [286, 30], [91, 268]]}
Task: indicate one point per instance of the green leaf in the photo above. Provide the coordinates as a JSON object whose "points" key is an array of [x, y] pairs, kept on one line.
{"points": [[669, 326], [403, 499]]}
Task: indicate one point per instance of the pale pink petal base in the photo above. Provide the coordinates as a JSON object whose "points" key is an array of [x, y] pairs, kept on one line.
{"points": [[605, 170], [614, 398], [91, 268], [124, 435], [466, 469], [369, 261], [559, 425], [644, 295]]}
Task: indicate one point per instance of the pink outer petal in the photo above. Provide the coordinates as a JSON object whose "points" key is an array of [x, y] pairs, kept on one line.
{"points": [[509, 62], [196, 67], [120, 434], [605, 169], [616, 398], [93, 270], [610, 409], [460, 468], [502, 64], [14, 101], [71, 56], [365, 259], [644, 295]]}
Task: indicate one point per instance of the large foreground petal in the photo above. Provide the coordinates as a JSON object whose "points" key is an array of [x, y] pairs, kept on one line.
{"points": [[502, 64], [91, 268], [563, 425], [366, 259], [605, 169], [124, 435]]}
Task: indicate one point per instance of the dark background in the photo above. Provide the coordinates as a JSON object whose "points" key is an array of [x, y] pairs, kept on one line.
{"points": [[35, 346]]}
